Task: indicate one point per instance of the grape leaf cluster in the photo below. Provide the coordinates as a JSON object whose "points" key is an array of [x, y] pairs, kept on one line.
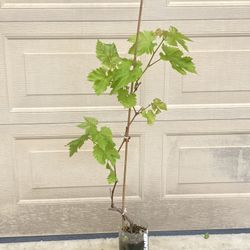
{"points": [[115, 73], [121, 77], [155, 108], [104, 148]]}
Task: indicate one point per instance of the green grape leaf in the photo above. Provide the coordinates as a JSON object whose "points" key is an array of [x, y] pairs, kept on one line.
{"points": [[173, 37], [90, 126], [149, 115], [103, 138], [126, 99], [100, 140], [107, 54], [104, 148], [145, 45], [101, 80], [112, 178], [107, 154], [180, 63], [76, 144], [158, 105], [125, 73], [99, 154], [155, 109], [107, 133], [111, 154], [89, 122]]}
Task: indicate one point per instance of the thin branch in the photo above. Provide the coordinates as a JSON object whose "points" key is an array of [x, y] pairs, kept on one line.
{"points": [[135, 115], [138, 31], [126, 135], [155, 62], [119, 149], [123, 141], [137, 85], [115, 184], [113, 193], [152, 57], [146, 107], [129, 112], [134, 110], [125, 167]]}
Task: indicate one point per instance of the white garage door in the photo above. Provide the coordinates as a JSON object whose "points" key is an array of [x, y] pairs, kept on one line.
{"points": [[190, 171]]}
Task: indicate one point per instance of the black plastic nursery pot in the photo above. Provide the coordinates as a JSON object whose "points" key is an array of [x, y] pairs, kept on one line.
{"points": [[133, 241]]}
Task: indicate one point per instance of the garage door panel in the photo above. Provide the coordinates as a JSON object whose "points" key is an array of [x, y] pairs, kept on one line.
{"points": [[68, 4], [203, 213], [45, 170], [74, 204], [53, 72], [206, 3], [3, 85], [47, 68], [78, 10], [40, 181], [207, 164], [212, 86], [7, 177]]}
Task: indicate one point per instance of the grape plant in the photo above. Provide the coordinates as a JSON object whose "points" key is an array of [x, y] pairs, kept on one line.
{"points": [[122, 77]]}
